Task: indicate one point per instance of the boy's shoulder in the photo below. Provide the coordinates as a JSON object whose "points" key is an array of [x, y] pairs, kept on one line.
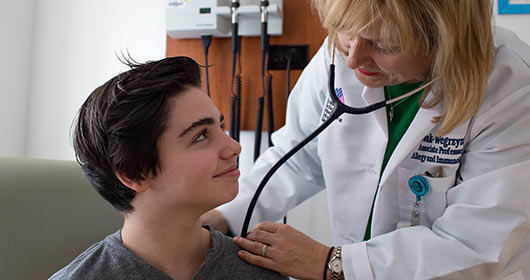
{"points": [[222, 262], [109, 258]]}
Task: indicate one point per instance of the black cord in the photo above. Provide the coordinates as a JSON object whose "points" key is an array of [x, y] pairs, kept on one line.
{"points": [[259, 123], [336, 109], [288, 79], [264, 55], [206, 40], [233, 104], [288, 90], [259, 113], [233, 94], [266, 79], [334, 115], [238, 90], [237, 123], [270, 112]]}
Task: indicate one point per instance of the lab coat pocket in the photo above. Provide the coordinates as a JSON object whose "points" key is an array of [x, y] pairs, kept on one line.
{"points": [[433, 203]]}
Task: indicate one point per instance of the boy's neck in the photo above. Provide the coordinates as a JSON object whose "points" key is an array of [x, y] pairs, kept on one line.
{"points": [[176, 247]]}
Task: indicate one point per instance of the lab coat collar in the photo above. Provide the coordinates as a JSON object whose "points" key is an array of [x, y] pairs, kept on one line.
{"points": [[374, 95], [421, 125]]}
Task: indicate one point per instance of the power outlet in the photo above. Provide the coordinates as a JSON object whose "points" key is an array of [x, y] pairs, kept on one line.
{"points": [[279, 55]]}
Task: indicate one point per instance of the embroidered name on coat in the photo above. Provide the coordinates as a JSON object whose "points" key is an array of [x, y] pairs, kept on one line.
{"points": [[439, 149]]}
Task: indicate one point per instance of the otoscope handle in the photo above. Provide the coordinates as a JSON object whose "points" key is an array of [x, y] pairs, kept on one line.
{"points": [[264, 19], [270, 113], [235, 38], [264, 37]]}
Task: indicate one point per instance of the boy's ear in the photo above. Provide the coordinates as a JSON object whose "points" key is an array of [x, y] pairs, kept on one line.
{"points": [[138, 186]]}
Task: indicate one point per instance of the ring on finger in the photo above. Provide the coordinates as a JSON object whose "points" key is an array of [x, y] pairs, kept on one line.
{"points": [[264, 250]]}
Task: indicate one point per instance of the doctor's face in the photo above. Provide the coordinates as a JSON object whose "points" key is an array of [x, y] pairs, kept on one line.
{"points": [[376, 65]]}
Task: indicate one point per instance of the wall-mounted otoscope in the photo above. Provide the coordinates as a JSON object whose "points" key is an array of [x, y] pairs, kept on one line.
{"points": [[207, 19], [234, 6], [235, 86], [265, 49], [264, 4], [193, 18]]}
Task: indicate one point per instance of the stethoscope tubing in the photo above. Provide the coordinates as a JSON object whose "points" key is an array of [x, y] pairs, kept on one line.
{"points": [[339, 109], [278, 164]]}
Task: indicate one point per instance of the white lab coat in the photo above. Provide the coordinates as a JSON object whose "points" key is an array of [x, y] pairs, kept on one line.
{"points": [[475, 219]]}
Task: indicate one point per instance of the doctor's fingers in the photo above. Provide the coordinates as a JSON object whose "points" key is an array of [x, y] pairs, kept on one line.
{"points": [[295, 260], [259, 261], [262, 236], [268, 226], [254, 247], [274, 233]]}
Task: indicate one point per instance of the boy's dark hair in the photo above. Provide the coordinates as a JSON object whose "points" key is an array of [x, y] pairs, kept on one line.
{"points": [[118, 126]]}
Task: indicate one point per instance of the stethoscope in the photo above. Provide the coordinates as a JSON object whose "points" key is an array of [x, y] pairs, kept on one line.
{"points": [[333, 110]]}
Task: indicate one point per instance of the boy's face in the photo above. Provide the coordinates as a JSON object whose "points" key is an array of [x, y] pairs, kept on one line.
{"points": [[198, 160]]}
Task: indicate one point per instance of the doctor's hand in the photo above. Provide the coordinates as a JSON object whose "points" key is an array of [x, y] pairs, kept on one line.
{"points": [[288, 251], [215, 219]]}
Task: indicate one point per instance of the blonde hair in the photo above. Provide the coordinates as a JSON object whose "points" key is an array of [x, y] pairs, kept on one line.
{"points": [[457, 36]]}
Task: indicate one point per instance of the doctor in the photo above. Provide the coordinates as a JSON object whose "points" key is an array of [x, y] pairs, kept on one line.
{"points": [[467, 138]]}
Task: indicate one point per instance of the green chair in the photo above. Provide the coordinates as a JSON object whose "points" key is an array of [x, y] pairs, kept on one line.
{"points": [[49, 214]]}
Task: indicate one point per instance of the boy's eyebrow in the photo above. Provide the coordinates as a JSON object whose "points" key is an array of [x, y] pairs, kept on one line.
{"points": [[201, 122]]}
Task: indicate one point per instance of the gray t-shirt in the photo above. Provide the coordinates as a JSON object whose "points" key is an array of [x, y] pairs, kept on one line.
{"points": [[110, 259]]}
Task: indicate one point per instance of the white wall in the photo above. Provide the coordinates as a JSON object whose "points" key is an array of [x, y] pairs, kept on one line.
{"points": [[16, 21], [74, 51], [518, 23]]}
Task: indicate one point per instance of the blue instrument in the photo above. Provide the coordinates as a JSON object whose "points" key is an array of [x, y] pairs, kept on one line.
{"points": [[419, 186]]}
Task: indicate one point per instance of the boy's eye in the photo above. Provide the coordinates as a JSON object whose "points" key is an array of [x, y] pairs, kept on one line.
{"points": [[222, 126], [201, 137]]}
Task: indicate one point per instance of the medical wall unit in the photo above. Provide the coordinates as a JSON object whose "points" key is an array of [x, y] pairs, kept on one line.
{"points": [[188, 19], [300, 28]]}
